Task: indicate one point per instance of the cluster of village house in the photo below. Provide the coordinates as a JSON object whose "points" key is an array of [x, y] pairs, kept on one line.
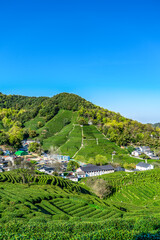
{"points": [[144, 150], [91, 170], [46, 164]]}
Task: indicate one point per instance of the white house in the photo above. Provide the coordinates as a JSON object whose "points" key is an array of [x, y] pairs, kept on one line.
{"points": [[93, 170], [80, 173], [72, 178], [144, 166], [48, 170], [135, 153]]}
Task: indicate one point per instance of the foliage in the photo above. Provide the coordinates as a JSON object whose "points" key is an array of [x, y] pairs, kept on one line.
{"points": [[15, 136], [4, 138], [130, 149], [72, 165], [34, 147], [1, 152], [144, 156], [82, 121], [32, 133], [100, 187]]}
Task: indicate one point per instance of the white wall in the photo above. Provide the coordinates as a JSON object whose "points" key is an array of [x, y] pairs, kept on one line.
{"points": [[98, 173], [144, 169]]}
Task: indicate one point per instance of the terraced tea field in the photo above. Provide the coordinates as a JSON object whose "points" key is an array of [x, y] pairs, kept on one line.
{"points": [[47, 207], [20, 200]]}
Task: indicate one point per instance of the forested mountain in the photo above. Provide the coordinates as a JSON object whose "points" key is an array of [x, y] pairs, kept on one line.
{"points": [[62, 100], [56, 119], [156, 125]]}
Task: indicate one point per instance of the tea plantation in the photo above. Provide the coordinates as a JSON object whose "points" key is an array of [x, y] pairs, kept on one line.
{"points": [[48, 207], [81, 142]]}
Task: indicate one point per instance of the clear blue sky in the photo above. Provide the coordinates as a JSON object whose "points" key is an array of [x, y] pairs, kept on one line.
{"points": [[106, 51]]}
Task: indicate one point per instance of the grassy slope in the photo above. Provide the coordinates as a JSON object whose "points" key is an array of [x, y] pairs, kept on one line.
{"points": [[68, 139], [33, 123], [60, 137], [74, 142], [56, 124], [104, 147]]}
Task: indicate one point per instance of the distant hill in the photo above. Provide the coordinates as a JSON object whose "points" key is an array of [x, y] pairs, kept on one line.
{"points": [[156, 125], [73, 125]]}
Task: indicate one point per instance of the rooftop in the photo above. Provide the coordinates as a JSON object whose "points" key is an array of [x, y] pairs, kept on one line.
{"points": [[142, 164], [94, 168]]}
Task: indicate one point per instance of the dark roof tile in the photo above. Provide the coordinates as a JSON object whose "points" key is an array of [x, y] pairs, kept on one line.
{"points": [[142, 164], [94, 168]]}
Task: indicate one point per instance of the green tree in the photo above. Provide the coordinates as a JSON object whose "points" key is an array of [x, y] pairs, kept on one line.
{"points": [[15, 136], [72, 165], [82, 121], [35, 147], [3, 138], [100, 187], [91, 160], [130, 149], [40, 124], [80, 158], [144, 156], [32, 133], [100, 159]]}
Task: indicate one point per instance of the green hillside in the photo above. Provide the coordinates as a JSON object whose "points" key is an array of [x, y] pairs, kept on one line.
{"points": [[47, 207], [56, 131], [73, 143], [57, 123], [69, 140], [58, 139], [94, 143], [33, 123], [62, 121]]}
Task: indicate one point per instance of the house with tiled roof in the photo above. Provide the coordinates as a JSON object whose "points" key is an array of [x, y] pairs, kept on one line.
{"points": [[141, 166], [93, 170]]}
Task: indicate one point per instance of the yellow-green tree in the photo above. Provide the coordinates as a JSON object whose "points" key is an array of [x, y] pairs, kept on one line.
{"points": [[15, 136]]}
